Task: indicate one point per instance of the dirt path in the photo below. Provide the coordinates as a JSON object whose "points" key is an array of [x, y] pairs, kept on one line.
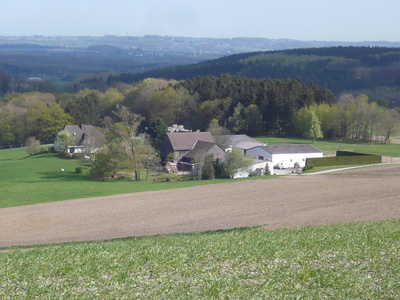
{"points": [[367, 194]]}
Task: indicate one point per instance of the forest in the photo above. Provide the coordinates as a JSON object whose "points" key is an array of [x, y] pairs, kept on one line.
{"points": [[350, 93], [257, 107], [374, 71]]}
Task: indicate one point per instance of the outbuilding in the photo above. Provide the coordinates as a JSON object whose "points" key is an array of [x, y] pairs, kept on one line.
{"points": [[285, 156]]}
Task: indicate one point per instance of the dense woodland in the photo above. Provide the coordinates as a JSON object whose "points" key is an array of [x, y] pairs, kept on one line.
{"points": [[374, 71], [251, 102], [242, 105]]}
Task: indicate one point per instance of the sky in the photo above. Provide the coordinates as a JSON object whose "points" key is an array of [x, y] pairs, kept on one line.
{"points": [[318, 20]]}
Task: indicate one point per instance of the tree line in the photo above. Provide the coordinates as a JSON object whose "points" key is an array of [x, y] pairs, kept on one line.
{"points": [[350, 118], [359, 70], [257, 107]]}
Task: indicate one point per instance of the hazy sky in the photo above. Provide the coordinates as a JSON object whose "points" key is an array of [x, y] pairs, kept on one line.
{"points": [[325, 20]]}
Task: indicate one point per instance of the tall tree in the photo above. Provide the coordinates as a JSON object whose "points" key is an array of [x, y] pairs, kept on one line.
{"points": [[157, 131], [313, 128], [125, 132]]}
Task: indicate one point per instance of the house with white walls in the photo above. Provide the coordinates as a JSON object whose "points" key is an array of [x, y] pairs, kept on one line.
{"points": [[285, 156]]}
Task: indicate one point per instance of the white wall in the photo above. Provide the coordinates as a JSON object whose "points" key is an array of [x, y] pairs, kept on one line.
{"points": [[245, 173], [292, 158]]}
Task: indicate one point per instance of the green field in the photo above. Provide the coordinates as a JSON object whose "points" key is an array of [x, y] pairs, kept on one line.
{"points": [[36, 179], [356, 261]]}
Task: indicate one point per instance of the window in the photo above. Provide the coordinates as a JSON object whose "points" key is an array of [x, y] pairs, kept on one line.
{"points": [[261, 157]]}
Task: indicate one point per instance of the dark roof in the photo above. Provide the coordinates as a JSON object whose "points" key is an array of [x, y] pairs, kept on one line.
{"points": [[200, 147], [241, 141], [80, 132], [292, 148], [187, 140]]}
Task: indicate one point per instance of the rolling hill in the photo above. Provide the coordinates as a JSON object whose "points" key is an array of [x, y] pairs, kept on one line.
{"points": [[371, 70]]}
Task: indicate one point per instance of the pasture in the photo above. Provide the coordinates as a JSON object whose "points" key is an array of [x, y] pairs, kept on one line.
{"points": [[27, 180], [38, 179]]}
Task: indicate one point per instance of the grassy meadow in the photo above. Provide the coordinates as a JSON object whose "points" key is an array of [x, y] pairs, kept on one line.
{"points": [[27, 180], [354, 261], [37, 179]]}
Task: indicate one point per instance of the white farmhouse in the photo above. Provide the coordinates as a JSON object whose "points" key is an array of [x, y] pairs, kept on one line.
{"points": [[285, 156]]}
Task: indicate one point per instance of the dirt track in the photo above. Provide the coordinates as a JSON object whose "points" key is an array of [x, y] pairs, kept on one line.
{"points": [[367, 194]]}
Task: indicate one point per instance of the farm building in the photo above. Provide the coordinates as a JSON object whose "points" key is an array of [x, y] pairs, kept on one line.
{"points": [[285, 156], [239, 141], [181, 143], [200, 149], [82, 133]]}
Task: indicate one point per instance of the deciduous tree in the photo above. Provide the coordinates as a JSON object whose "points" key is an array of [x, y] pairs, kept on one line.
{"points": [[125, 132], [235, 161], [313, 128]]}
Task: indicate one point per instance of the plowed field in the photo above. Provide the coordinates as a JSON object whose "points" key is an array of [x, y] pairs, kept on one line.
{"points": [[366, 194]]}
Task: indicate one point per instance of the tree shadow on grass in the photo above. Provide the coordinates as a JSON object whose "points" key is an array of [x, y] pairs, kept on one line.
{"points": [[63, 176]]}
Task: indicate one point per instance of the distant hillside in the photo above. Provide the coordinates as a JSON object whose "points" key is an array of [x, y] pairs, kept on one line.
{"points": [[343, 69]]}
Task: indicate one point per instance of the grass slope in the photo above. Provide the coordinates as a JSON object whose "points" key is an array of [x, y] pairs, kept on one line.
{"points": [[355, 261], [38, 179]]}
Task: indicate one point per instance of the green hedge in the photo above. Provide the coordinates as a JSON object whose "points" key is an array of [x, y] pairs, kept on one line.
{"points": [[344, 158], [350, 153]]}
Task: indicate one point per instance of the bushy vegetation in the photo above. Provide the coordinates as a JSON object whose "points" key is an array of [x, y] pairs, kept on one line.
{"points": [[356, 261]]}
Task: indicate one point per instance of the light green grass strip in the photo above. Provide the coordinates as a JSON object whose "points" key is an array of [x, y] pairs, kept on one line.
{"points": [[356, 261]]}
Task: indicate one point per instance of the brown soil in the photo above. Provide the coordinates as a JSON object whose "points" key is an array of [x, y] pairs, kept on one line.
{"points": [[367, 194]]}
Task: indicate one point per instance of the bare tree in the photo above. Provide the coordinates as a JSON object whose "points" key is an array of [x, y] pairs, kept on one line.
{"points": [[92, 144], [220, 134], [390, 124], [125, 131]]}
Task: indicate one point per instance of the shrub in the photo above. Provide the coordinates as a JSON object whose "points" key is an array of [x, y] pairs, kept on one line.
{"points": [[267, 170], [64, 154], [78, 170], [208, 171], [78, 155], [33, 146], [308, 167], [103, 166]]}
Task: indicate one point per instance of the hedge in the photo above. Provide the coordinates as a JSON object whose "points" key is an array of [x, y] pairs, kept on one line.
{"points": [[344, 158]]}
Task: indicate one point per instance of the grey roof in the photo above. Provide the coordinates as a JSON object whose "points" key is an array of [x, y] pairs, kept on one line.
{"points": [[80, 132], [292, 148], [242, 141], [187, 140], [200, 147]]}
